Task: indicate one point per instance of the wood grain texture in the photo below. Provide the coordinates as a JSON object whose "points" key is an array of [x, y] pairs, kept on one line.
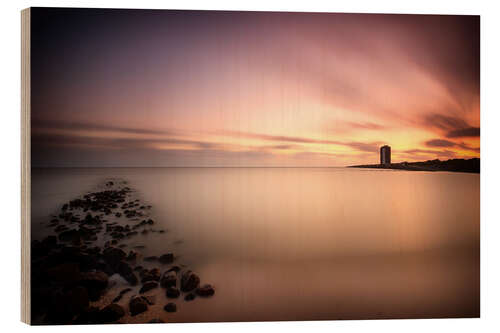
{"points": [[25, 166]]}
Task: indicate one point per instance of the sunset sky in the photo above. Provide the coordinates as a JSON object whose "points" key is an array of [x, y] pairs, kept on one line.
{"points": [[201, 88]]}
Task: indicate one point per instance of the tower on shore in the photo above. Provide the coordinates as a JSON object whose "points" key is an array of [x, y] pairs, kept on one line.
{"points": [[385, 155]]}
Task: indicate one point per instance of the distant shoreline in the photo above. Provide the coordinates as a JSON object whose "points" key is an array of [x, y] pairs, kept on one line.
{"points": [[453, 165]]}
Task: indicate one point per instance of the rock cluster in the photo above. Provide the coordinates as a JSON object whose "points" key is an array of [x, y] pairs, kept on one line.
{"points": [[70, 271]]}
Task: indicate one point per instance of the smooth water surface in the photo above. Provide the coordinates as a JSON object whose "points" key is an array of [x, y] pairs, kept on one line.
{"points": [[302, 243]]}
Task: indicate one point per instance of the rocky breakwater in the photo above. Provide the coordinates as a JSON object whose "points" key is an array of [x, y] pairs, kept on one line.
{"points": [[72, 270]]}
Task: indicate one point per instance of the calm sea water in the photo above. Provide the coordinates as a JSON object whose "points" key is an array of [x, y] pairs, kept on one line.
{"points": [[302, 243]]}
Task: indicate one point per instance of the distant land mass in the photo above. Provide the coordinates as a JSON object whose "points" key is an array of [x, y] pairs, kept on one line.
{"points": [[454, 165]]}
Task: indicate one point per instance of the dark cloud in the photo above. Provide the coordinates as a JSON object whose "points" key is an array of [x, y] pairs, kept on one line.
{"points": [[454, 127], [427, 153], [280, 138], [464, 132], [281, 147], [46, 140], [440, 143], [37, 125], [361, 146], [368, 147], [467, 147], [443, 122], [366, 125]]}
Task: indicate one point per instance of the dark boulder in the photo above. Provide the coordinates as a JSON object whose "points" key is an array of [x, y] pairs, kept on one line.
{"points": [[72, 236], [150, 275], [65, 304], [49, 242], [77, 299], [156, 321], [126, 272], [111, 313], [124, 291], [132, 255], [170, 307], [137, 305], [114, 255], [95, 282], [176, 269], [167, 258], [150, 299], [60, 228], [67, 273], [148, 286], [120, 295], [169, 279], [173, 292], [189, 281], [205, 291], [90, 315], [189, 297]]}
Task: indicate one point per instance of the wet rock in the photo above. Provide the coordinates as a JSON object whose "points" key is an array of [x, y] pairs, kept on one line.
{"points": [[166, 258], [137, 305], [205, 291], [151, 258], [189, 297], [92, 220], [65, 304], [117, 298], [114, 255], [95, 282], [111, 313], [69, 236], [132, 255], [189, 281], [148, 286], [170, 307], [78, 299], [150, 275], [117, 235], [173, 292], [126, 272], [39, 249], [49, 242], [150, 299], [120, 295], [169, 279], [176, 269], [90, 315], [67, 273], [156, 321], [60, 228], [124, 291]]}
